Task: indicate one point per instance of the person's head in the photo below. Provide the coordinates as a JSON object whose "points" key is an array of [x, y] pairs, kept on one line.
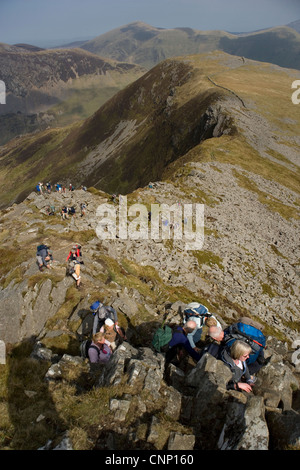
{"points": [[98, 338], [240, 350], [210, 321], [189, 326], [216, 333], [109, 324]]}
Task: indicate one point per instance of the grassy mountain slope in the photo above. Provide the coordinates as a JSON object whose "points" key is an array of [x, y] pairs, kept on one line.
{"points": [[146, 45]]}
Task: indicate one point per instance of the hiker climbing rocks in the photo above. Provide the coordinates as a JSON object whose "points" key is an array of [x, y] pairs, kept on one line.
{"points": [[74, 260], [200, 315], [236, 359], [179, 345], [83, 209], [99, 350], [102, 313], [64, 213], [44, 257]]}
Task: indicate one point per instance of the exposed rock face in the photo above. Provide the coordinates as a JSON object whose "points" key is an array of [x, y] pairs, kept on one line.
{"points": [[219, 419]]}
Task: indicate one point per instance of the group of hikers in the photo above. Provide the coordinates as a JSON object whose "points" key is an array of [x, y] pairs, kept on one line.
{"points": [[235, 345], [65, 211], [240, 346], [42, 188]]}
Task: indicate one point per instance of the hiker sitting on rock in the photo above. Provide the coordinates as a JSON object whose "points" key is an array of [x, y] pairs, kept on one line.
{"points": [[180, 345], [44, 257], [235, 359], [74, 261], [99, 351]]}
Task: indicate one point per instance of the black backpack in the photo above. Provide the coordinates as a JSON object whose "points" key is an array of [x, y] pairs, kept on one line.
{"points": [[84, 348]]}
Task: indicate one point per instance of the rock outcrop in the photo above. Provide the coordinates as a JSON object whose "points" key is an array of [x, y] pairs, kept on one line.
{"points": [[211, 417]]}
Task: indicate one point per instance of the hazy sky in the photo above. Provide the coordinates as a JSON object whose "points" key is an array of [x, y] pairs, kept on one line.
{"points": [[54, 22]]}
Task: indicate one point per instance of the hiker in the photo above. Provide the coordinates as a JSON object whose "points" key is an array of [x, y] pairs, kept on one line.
{"points": [[83, 209], [64, 213], [214, 341], [48, 187], [235, 359], [44, 257], [110, 334], [74, 260], [249, 328], [72, 211], [50, 210], [39, 188], [180, 345], [103, 313], [99, 351], [200, 315]]}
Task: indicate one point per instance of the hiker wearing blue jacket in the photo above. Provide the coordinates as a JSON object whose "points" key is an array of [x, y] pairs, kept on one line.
{"points": [[180, 340]]}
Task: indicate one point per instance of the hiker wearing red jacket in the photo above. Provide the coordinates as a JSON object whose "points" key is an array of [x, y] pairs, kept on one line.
{"points": [[74, 260]]}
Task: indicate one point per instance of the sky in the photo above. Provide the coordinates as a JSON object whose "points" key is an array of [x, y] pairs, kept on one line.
{"points": [[47, 23]]}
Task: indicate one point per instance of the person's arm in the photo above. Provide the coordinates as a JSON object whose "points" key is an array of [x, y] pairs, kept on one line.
{"points": [[190, 337], [194, 354]]}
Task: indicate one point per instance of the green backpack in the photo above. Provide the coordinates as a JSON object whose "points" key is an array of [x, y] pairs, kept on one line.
{"points": [[162, 337]]}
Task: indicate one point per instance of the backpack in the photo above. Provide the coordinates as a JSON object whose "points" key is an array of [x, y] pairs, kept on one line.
{"points": [[249, 334], [194, 309], [94, 307], [84, 347], [87, 344], [42, 247], [162, 337]]}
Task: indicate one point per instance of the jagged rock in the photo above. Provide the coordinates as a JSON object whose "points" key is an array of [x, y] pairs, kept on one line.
{"points": [[120, 408], [179, 441], [284, 429], [245, 427], [41, 353], [276, 382], [114, 370], [173, 407]]}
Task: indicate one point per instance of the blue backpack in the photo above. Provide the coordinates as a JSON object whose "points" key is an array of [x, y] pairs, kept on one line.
{"points": [[94, 307], [249, 334]]}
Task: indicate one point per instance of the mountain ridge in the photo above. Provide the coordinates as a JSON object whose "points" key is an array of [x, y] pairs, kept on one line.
{"points": [[146, 45]]}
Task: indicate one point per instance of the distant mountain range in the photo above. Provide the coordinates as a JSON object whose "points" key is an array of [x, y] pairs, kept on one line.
{"points": [[56, 87], [146, 45]]}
